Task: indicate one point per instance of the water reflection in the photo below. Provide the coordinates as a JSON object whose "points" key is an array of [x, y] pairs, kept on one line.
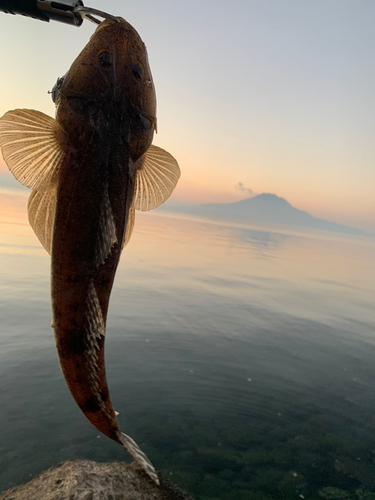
{"points": [[16, 236], [240, 357]]}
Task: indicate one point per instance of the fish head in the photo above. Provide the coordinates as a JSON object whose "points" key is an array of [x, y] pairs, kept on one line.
{"points": [[109, 89]]}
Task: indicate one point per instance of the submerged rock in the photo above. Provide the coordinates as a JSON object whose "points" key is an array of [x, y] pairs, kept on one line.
{"points": [[87, 480]]}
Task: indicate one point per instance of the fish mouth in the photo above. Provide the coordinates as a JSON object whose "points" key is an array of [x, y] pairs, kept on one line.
{"points": [[147, 120]]}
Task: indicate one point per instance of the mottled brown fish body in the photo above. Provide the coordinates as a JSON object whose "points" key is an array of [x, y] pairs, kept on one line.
{"points": [[107, 114], [89, 170], [75, 275]]}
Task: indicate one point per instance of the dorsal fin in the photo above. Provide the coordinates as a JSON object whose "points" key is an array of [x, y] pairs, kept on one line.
{"points": [[41, 210], [29, 142], [156, 176]]}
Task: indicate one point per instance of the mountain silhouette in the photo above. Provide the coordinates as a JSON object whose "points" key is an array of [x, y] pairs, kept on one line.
{"points": [[266, 208]]}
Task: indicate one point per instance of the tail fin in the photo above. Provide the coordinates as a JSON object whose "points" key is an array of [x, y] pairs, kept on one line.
{"points": [[134, 450]]}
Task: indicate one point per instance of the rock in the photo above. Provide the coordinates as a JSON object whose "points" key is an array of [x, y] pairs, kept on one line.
{"points": [[87, 480]]}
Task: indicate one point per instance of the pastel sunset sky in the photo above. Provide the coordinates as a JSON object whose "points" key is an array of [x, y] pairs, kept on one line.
{"points": [[253, 96]]}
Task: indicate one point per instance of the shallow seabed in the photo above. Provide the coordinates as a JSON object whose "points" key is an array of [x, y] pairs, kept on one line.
{"points": [[241, 359]]}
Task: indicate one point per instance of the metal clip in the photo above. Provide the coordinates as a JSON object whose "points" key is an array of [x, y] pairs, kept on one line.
{"points": [[89, 13], [60, 10]]}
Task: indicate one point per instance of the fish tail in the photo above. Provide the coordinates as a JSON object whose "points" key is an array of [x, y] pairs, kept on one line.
{"points": [[134, 450]]}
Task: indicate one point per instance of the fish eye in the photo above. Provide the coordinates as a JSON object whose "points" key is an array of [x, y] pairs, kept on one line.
{"points": [[137, 71], [105, 59], [55, 92]]}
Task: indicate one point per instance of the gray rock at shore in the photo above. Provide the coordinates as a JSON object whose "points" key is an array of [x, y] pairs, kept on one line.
{"points": [[87, 480]]}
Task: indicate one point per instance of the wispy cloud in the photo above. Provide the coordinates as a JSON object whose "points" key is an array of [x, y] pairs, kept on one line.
{"points": [[244, 190]]}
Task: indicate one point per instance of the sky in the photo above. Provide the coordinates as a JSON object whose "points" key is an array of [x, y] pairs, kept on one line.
{"points": [[253, 95]]}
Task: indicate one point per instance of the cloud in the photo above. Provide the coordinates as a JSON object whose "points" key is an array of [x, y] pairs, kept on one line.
{"points": [[240, 186]]}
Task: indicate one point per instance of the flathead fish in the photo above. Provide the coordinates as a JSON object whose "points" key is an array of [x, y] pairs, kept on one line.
{"points": [[89, 169]]}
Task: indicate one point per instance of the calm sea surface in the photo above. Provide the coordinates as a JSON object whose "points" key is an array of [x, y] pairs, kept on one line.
{"points": [[241, 358]]}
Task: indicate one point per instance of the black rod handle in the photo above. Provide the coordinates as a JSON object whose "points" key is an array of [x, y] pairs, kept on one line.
{"points": [[45, 10]]}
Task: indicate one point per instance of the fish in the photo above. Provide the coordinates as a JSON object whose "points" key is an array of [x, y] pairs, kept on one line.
{"points": [[89, 169]]}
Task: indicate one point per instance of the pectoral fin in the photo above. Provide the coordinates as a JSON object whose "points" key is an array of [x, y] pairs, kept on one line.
{"points": [[41, 209], [157, 173], [129, 226], [30, 145]]}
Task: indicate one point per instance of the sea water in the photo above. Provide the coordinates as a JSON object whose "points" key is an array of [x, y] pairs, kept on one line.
{"points": [[239, 357]]}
